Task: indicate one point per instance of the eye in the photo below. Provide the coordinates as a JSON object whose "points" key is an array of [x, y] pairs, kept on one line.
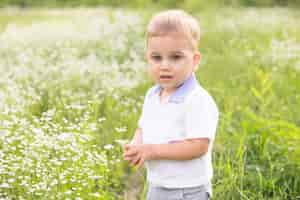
{"points": [[176, 57], [156, 58]]}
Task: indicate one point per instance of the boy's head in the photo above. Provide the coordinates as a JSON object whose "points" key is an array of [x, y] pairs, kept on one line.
{"points": [[175, 22], [172, 53]]}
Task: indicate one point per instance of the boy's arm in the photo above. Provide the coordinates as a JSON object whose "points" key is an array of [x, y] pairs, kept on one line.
{"points": [[182, 150]]}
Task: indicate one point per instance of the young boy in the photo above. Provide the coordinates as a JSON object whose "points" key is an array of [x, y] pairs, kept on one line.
{"points": [[179, 118]]}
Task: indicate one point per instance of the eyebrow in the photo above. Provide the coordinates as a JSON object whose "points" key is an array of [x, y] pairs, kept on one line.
{"points": [[177, 52], [172, 52]]}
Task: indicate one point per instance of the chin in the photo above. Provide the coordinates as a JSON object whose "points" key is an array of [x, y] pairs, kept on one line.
{"points": [[168, 87]]}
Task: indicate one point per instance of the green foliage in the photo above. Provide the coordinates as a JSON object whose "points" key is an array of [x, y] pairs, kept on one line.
{"points": [[192, 5], [71, 96]]}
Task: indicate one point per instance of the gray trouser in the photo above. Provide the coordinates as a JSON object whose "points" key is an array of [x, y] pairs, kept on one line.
{"points": [[192, 193]]}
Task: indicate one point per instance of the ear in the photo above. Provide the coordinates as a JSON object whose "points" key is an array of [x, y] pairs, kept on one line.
{"points": [[196, 60]]}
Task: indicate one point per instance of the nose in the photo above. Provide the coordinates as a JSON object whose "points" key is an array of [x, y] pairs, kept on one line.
{"points": [[165, 64]]}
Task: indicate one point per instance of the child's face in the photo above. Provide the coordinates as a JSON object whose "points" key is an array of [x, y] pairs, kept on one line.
{"points": [[171, 60]]}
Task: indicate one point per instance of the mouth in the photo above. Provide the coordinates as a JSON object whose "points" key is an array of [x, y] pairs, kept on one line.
{"points": [[165, 77]]}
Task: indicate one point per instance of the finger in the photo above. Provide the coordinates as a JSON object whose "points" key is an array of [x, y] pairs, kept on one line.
{"points": [[131, 152], [128, 154], [140, 163], [126, 146], [129, 158], [135, 160], [124, 151]]}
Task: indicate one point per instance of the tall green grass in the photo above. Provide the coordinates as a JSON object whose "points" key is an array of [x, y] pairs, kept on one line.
{"points": [[192, 4], [71, 96]]}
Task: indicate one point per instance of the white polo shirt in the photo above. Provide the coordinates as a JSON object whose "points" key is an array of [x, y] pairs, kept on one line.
{"points": [[190, 112]]}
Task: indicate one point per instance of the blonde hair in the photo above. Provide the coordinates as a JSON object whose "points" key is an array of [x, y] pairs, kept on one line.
{"points": [[175, 21]]}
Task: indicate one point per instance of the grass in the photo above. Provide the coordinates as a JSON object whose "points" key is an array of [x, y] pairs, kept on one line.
{"points": [[72, 94]]}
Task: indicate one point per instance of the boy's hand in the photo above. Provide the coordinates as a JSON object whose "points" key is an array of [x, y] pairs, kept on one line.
{"points": [[138, 154], [132, 159]]}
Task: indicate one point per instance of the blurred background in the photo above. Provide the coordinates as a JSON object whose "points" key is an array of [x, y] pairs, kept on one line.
{"points": [[161, 3], [73, 79]]}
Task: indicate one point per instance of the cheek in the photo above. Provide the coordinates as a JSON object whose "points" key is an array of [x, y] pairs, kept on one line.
{"points": [[182, 73]]}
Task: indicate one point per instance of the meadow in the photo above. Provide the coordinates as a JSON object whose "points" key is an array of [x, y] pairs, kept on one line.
{"points": [[73, 81]]}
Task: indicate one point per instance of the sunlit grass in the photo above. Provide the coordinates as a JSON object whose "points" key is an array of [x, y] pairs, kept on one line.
{"points": [[72, 84]]}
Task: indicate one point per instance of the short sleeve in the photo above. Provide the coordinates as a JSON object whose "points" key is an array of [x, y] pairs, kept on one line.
{"points": [[201, 117]]}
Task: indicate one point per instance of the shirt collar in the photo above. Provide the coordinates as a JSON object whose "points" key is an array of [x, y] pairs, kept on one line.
{"points": [[181, 92]]}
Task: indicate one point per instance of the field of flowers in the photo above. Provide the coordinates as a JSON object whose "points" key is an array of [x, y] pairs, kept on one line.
{"points": [[72, 82]]}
